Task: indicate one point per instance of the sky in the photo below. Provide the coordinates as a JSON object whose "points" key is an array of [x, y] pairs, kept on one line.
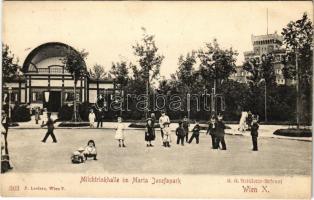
{"points": [[107, 30]]}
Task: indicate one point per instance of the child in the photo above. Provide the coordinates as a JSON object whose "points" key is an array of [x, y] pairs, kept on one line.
{"points": [[254, 133], [167, 135], [37, 114], [91, 118], [90, 150], [196, 133], [78, 156], [180, 132], [120, 133], [149, 133]]}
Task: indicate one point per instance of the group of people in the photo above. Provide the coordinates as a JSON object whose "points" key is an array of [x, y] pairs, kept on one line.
{"points": [[99, 117], [216, 129], [182, 132]]}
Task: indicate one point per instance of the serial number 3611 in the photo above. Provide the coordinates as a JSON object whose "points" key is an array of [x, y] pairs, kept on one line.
{"points": [[14, 188]]}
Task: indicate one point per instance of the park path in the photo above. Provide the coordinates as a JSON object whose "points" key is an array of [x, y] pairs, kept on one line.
{"points": [[264, 131]]}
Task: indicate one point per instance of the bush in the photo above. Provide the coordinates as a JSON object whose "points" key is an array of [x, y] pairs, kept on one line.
{"points": [[294, 132], [21, 113], [73, 124], [84, 109], [65, 113]]}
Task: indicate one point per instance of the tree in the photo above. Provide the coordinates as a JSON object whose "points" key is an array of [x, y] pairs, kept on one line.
{"points": [[98, 72], [10, 67], [216, 65], [149, 61], [120, 71], [260, 72], [298, 38], [186, 73], [74, 62]]}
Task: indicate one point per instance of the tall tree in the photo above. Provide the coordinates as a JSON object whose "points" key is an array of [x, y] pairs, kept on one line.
{"points": [[216, 65], [74, 62], [186, 74], [298, 38], [149, 61], [260, 72], [120, 71], [10, 67], [263, 70]]}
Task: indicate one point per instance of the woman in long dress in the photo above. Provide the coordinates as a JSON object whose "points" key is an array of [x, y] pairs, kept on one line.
{"points": [[120, 133], [149, 132]]}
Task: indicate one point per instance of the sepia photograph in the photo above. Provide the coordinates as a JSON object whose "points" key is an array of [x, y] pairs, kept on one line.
{"points": [[178, 99]]}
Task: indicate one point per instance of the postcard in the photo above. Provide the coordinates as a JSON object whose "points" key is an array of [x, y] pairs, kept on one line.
{"points": [[156, 99]]}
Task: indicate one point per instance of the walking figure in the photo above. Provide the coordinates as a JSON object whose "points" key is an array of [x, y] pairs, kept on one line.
{"points": [[254, 133], [50, 126], [196, 133]]}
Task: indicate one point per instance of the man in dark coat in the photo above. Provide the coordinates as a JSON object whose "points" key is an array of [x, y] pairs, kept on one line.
{"points": [[254, 134], [211, 130], [249, 120], [220, 134], [186, 125], [50, 126], [100, 116], [180, 132]]}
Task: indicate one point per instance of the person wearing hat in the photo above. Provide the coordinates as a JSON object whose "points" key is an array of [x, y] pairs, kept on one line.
{"points": [[100, 116], [186, 125], [162, 120], [50, 126], [220, 134], [149, 132], [180, 132], [91, 118], [211, 130], [254, 132]]}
